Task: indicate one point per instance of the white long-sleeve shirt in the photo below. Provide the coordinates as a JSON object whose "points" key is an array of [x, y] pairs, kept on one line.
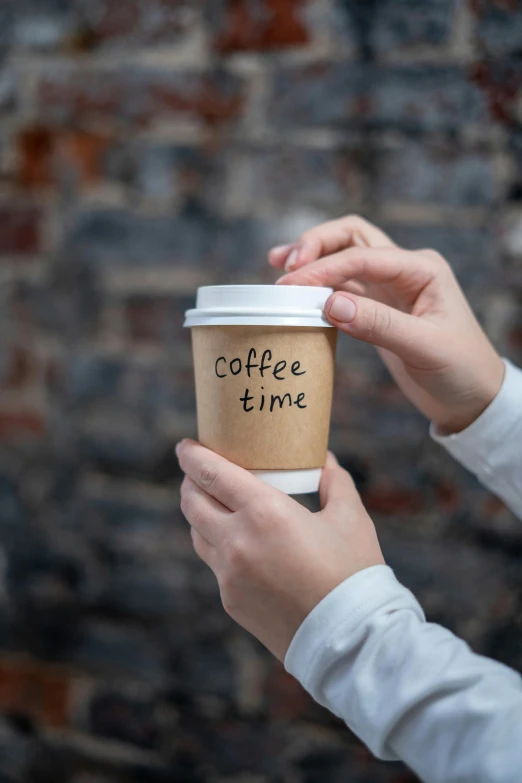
{"points": [[410, 689]]}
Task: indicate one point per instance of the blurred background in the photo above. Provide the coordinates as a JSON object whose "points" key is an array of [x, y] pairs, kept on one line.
{"points": [[151, 146]]}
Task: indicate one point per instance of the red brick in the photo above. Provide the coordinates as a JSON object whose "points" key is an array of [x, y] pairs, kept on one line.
{"points": [[448, 495], [22, 367], [20, 232], [287, 699], [480, 6], [140, 96], [44, 152], [35, 691], [35, 153], [269, 24], [501, 83], [84, 151], [21, 423], [493, 506], [207, 101], [147, 319], [388, 499]]}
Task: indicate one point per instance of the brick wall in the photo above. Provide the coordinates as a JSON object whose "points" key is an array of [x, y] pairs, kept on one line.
{"points": [[150, 146]]}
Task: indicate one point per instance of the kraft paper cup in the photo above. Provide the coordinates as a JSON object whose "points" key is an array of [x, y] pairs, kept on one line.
{"points": [[264, 367]]}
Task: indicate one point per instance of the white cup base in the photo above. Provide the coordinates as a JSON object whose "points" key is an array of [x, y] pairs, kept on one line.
{"points": [[292, 482]]}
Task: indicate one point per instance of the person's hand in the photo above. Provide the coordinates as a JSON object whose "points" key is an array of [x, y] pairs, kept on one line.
{"points": [[274, 560], [409, 305]]}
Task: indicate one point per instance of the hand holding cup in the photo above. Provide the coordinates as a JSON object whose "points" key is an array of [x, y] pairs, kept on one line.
{"points": [[410, 306]]}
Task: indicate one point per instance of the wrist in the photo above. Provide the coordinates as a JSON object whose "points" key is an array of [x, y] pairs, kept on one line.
{"points": [[456, 419]]}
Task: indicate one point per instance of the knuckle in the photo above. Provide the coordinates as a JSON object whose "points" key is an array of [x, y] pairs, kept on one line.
{"points": [[433, 255], [190, 511], [229, 604], [356, 222], [196, 540], [263, 512], [186, 502], [207, 477], [307, 235], [237, 553], [379, 322]]}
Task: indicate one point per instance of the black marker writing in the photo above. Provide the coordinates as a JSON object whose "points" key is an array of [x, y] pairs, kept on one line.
{"points": [[264, 366], [236, 366], [280, 366], [261, 400], [298, 400], [280, 400], [277, 401], [221, 359], [246, 399], [249, 364]]}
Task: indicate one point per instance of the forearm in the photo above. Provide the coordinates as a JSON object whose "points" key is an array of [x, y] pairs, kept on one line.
{"points": [[409, 689], [491, 447]]}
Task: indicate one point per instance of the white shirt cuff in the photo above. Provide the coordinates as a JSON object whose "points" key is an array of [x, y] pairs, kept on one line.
{"points": [[339, 613], [485, 444]]}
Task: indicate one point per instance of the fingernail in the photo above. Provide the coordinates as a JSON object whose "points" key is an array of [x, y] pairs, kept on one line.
{"points": [[291, 261], [358, 240], [342, 309], [281, 249], [178, 447]]}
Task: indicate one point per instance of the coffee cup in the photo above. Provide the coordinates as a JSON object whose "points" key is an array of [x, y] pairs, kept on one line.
{"points": [[264, 360]]}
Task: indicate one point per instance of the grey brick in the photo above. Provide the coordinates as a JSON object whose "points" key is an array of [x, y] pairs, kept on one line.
{"points": [[119, 237], [470, 252], [105, 647], [116, 715], [152, 592], [500, 29], [443, 173], [43, 24], [292, 178], [397, 25], [352, 95]]}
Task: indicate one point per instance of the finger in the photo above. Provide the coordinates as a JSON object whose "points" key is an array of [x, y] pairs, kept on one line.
{"points": [[278, 255], [231, 485], [414, 340], [336, 484], [203, 549], [331, 237], [353, 287], [203, 512], [409, 269]]}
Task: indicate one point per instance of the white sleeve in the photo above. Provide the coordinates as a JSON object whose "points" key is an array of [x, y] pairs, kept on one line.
{"points": [[411, 690], [491, 447]]}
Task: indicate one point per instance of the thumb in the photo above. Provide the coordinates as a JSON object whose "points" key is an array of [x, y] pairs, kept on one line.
{"points": [[408, 336], [336, 484]]}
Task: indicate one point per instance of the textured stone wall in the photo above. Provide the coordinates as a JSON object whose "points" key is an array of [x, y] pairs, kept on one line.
{"points": [[147, 147]]}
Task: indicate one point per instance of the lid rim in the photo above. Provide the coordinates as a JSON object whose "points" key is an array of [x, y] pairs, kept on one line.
{"points": [[253, 311], [259, 300], [268, 286]]}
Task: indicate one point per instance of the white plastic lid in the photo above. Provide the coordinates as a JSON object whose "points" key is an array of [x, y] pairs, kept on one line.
{"points": [[259, 305]]}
